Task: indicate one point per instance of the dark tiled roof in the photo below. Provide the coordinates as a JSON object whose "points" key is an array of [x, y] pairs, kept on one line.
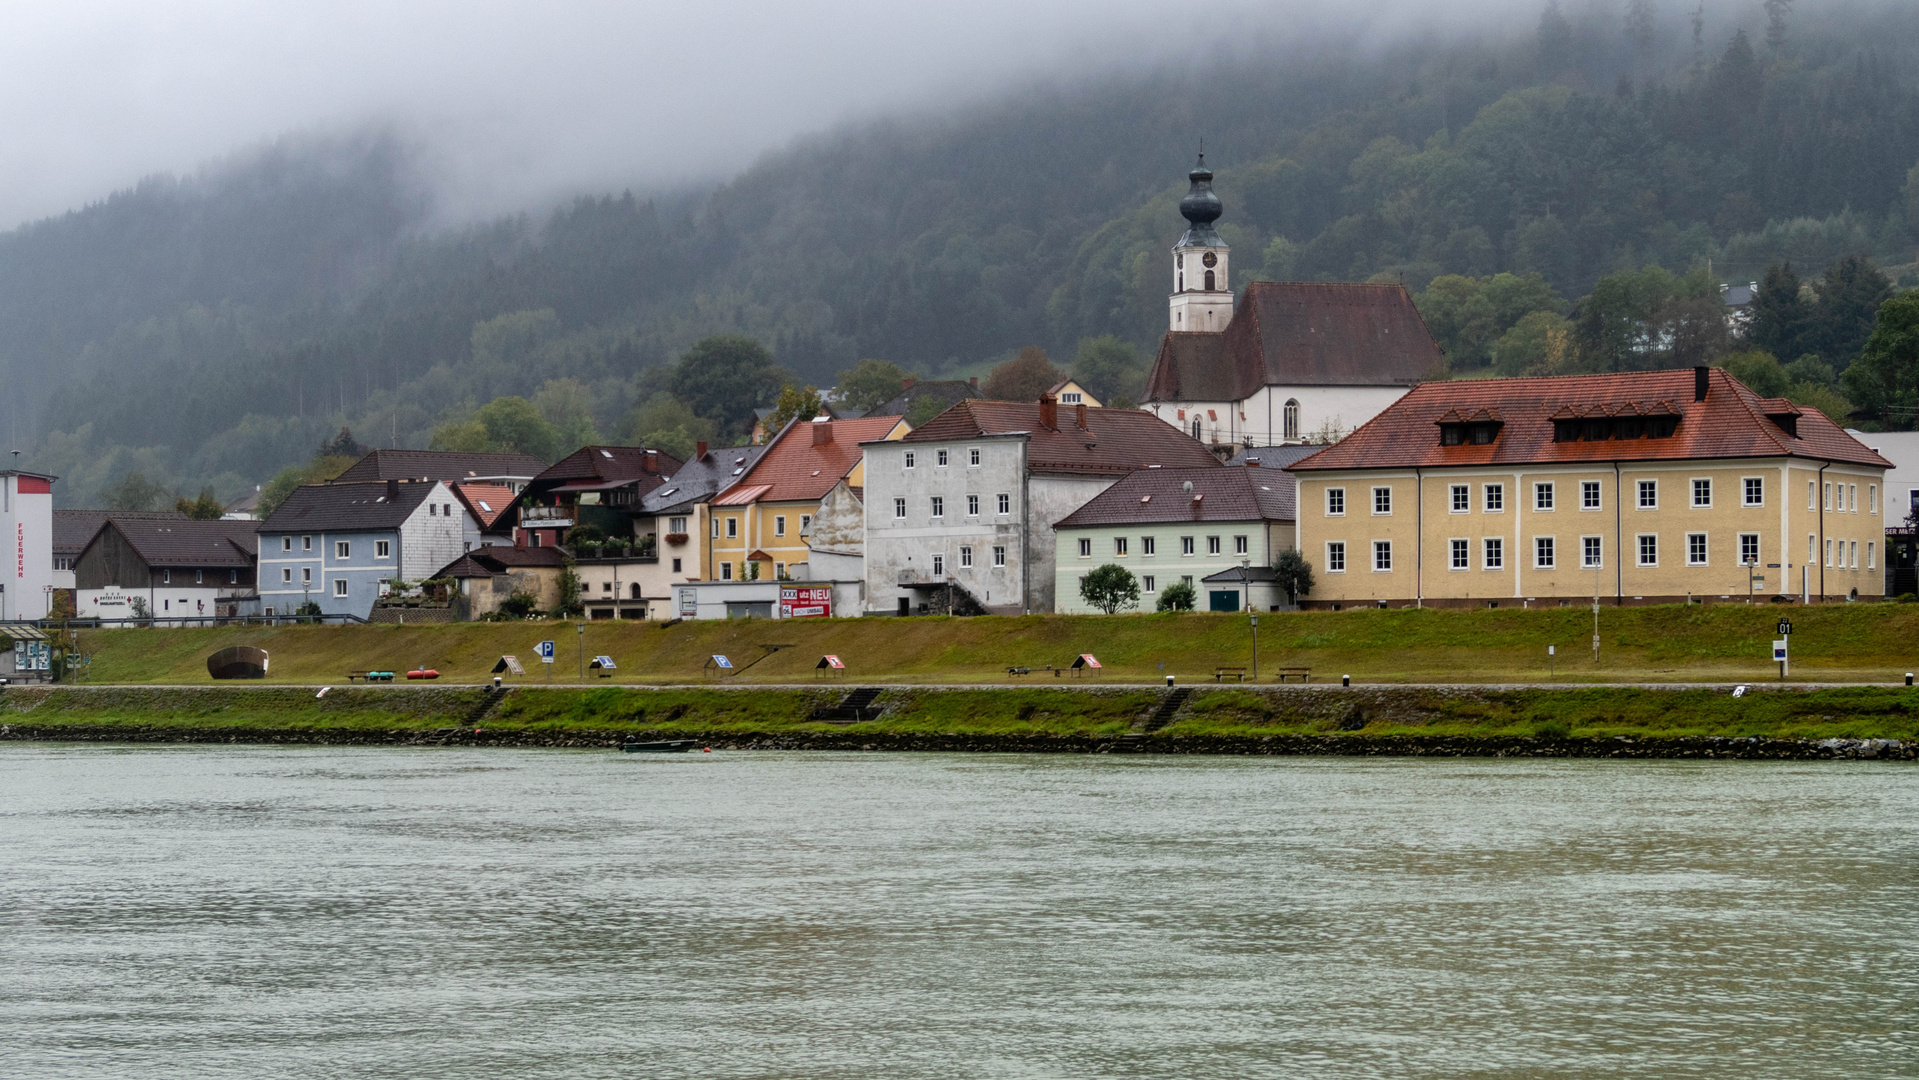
{"points": [[181, 542], [796, 468], [446, 465], [1159, 495], [701, 479], [1273, 457], [947, 391], [608, 465], [496, 559], [73, 528], [345, 506], [1298, 333], [1731, 423], [466, 566], [1114, 440]]}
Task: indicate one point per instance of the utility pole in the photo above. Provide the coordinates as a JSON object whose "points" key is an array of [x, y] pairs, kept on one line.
{"points": [[581, 639]]}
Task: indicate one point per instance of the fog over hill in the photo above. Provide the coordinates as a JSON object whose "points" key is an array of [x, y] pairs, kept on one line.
{"points": [[214, 328]]}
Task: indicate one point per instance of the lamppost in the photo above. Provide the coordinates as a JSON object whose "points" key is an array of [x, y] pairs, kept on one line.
{"points": [[581, 629], [1751, 566], [1596, 613], [1255, 620]]}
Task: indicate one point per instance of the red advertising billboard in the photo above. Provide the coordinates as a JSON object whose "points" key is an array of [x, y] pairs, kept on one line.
{"points": [[806, 602]]}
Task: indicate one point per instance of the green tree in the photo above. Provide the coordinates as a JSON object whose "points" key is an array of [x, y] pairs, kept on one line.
{"points": [[514, 424], [668, 424], [1760, 371], [322, 468], [1111, 369], [1780, 318], [1110, 588], [569, 583], [203, 508], [567, 405], [1843, 318], [1178, 596], [1023, 378], [1538, 344], [509, 341], [342, 445], [726, 377], [136, 491], [869, 384], [1884, 382], [794, 403], [924, 408], [1294, 574]]}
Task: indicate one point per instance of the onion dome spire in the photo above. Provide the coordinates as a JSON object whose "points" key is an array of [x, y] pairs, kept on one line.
{"points": [[1201, 208]]}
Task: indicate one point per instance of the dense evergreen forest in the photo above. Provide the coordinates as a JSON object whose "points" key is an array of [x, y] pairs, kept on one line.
{"points": [[1569, 197]]}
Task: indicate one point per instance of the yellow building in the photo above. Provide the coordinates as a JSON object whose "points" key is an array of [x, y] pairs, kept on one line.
{"points": [[1645, 487], [757, 524]]}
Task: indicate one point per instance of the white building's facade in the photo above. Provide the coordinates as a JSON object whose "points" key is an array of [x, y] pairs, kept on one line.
{"points": [[26, 516]]}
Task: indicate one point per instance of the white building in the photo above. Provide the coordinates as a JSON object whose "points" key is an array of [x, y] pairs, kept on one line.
{"points": [[26, 515], [1293, 362]]}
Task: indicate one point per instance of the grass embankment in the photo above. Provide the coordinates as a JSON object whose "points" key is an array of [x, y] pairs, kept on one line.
{"points": [[1843, 643], [1325, 719]]}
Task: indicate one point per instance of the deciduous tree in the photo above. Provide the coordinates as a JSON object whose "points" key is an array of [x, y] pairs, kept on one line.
{"points": [[1110, 588], [1023, 378]]}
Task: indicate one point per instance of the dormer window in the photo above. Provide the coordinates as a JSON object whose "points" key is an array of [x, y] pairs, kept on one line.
{"points": [[1480, 434], [1602, 423]]}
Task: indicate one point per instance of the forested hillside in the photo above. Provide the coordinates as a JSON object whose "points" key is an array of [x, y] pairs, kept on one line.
{"points": [[214, 330]]}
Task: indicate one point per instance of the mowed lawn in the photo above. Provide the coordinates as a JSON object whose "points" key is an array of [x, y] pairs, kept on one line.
{"points": [[1845, 642]]}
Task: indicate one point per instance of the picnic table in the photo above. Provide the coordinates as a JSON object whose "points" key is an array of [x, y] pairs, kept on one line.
{"points": [[1221, 674], [1302, 673]]}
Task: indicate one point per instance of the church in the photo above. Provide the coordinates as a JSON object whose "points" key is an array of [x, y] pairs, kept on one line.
{"points": [[1291, 361]]}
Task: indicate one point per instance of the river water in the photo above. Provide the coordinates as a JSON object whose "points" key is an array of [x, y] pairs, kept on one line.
{"points": [[268, 912]]}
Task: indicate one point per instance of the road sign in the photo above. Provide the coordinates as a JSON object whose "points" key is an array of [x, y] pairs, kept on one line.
{"points": [[1779, 651], [545, 649], [1785, 628]]}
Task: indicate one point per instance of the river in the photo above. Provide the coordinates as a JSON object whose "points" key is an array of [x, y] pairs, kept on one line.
{"points": [[251, 911]]}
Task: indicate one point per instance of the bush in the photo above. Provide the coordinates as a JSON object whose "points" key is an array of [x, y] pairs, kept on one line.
{"points": [[585, 534], [1178, 596], [520, 604], [1110, 588]]}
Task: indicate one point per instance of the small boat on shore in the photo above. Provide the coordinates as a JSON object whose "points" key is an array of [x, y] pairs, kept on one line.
{"points": [[667, 746]]}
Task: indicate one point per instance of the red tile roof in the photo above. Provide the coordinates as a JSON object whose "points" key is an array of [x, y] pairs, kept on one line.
{"points": [[486, 502], [798, 468], [1114, 441], [1299, 333], [1732, 422], [1160, 495]]}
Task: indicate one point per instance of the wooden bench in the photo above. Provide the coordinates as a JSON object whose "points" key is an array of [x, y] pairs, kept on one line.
{"points": [[1223, 673], [1303, 674]]}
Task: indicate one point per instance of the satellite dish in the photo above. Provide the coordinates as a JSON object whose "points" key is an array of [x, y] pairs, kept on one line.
{"points": [[1187, 487]]}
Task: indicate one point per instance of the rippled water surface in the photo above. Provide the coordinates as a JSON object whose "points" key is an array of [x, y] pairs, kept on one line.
{"points": [[251, 912]]}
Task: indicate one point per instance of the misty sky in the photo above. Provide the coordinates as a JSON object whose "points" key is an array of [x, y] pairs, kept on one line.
{"points": [[519, 102]]}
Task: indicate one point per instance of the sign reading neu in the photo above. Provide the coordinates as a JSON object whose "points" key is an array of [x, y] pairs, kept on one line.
{"points": [[806, 602]]}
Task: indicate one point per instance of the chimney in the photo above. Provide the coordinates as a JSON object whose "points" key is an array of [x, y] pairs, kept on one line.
{"points": [[1079, 415], [1701, 378], [907, 384], [822, 432], [699, 451], [650, 463], [1252, 463], [975, 381], [1049, 412], [392, 491]]}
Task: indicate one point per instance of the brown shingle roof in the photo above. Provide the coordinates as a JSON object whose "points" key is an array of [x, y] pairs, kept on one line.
{"points": [[447, 465], [1731, 423], [606, 464], [186, 543], [1159, 495], [1114, 441], [795, 468], [1299, 333], [73, 528]]}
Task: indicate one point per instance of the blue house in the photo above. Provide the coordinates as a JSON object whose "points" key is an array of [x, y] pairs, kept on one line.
{"points": [[335, 544]]}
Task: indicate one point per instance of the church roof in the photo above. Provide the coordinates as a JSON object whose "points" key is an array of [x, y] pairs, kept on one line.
{"points": [[1299, 333]]}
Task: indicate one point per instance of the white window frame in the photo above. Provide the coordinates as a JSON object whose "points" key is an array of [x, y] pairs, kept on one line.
{"points": [[1545, 496], [1872, 556], [1545, 552], [1461, 553], [1694, 487], [1492, 552], [1085, 547], [342, 550], [1493, 498], [911, 459], [1382, 556], [966, 556], [1148, 546], [1747, 491], [306, 543], [1597, 490], [779, 524], [972, 457], [972, 506], [1335, 502], [1592, 552], [1872, 498], [939, 564], [339, 588], [939, 458], [938, 505], [999, 555], [1703, 546], [1146, 583], [383, 549], [1639, 548], [1212, 545], [1757, 550], [306, 576], [286, 543], [1852, 498], [1383, 495], [1335, 556], [1186, 547], [1646, 487], [1119, 547], [899, 509], [1852, 563], [286, 575], [732, 528], [1005, 503], [1461, 498]]}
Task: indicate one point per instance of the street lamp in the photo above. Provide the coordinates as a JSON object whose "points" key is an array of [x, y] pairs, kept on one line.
{"points": [[1751, 566], [1255, 620], [581, 629]]}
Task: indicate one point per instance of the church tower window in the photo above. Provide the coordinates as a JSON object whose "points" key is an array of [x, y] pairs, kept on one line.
{"points": [[1209, 281], [1291, 422]]}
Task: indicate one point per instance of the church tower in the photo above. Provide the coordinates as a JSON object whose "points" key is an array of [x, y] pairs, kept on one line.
{"points": [[1202, 298]]}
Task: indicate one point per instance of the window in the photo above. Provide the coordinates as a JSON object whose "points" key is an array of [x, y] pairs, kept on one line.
{"points": [[1212, 545], [806, 521], [432, 510], [1702, 492], [972, 506], [1592, 551], [166, 577], [939, 506], [306, 543], [1462, 555], [1495, 553], [1186, 580], [1748, 547], [779, 524], [909, 459], [1005, 504], [1543, 552], [972, 458], [286, 543], [1826, 498], [732, 527], [1069, 397], [966, 556], [1335, 557], [1119, 545], [999, 556], [1382, 500], [1649, 494], [383, 549], [1648, 549], [1335, 502], [939, 458], [339, 587], [1828, 551], [1185, 545], [939, 565], [716, 529], [233, 576], [676, 568], [1147, 545], [286, 575], [1195, 427], [726, 571], [306, 575], [1542, 497], [1289, 425], [199, 577], [1872, 498], [1495, 498], [1755, 490], [1695, 549], [1852, 498], [1854, 545], [1146, 583], [1872, 563], [1589, 494], [1382, 555], [1239, 545], [676, 525], [1462, 498], [1085, 547], [899, 508], [1812, 548]]}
